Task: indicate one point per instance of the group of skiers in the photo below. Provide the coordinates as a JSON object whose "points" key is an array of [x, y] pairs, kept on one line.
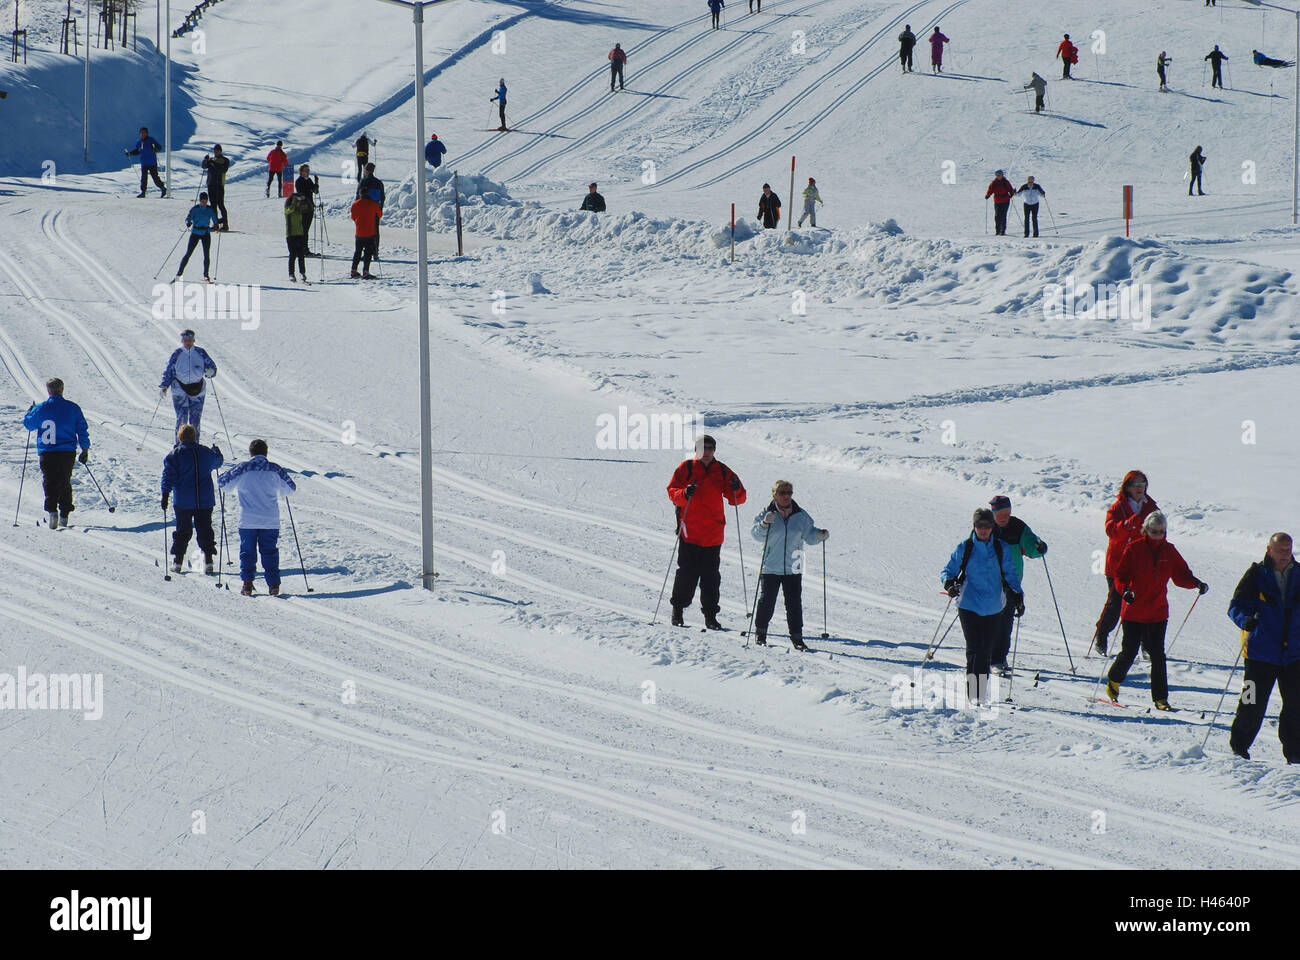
{"points": [[907, 40], [1002, 192]]}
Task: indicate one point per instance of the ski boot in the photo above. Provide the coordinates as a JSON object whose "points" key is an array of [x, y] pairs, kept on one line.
{"points": [[711, 622], [54, 521], [760, 638], [176, 564], [63, 521], [796, 641], [208, 563], [1163, 705], [274, 591], [1112, 690], [247, 590], [677, 617]]}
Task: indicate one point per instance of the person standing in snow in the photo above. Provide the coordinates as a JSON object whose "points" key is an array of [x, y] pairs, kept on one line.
{"points": [[433, 151], [1198, 163], [715, 7], [147, 149], [616, 60], [1161, 62], [259, 483], [60, 427], [500, 99], [1001, 190], [217, 165], [276, 161], [810, 200], [982, 577], [1021, 542], [937, 40], [1124, 521], [1143, 578], [906, 43], [1216, 58], [1266, 606], [593, 201], [201, 219], [308, 186], [373, 187], [1039, 86], [769, 207], [295, 233], [698, 488], [1034, 193], [363, 153], [187, 370], [365, 214], [187, 471], [1068, 54], [784, 529]]}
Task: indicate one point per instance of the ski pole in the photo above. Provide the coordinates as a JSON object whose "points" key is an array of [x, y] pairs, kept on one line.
{"points": [[942, 618], [166, 576], [825, 628], [302, 566], [225, 531], [216, 258], [220, 557], [1052, 215], [140, 446], [111, 508], [1014, 644], [171, 251], [744, 588], [761, 560], [1058, 614], [229, 439], [1104, 671], [677, 538], [23, 477], [1183, 624], [1221, 696], [929, 654], [986, 216]]}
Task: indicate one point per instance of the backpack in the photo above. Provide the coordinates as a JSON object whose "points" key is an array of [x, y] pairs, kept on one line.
{"points": [[690, 471], [965, 558]]}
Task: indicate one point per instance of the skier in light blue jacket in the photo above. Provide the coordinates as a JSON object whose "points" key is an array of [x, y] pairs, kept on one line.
{"points": [[784, 529], [187, 370]]}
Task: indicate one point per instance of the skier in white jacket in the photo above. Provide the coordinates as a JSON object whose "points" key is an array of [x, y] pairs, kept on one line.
{"points": [[259, 483], [187, 369], [810, 200], [1033, 194]]}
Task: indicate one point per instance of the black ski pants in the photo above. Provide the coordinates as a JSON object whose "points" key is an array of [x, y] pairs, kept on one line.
{"points": [[1000, 217], [1149, 637], [1002, 642], [1039, 103], [792, 586], [698, 565], [195, 240], [905, 57], [1196, 182], [1065, 71], [217, 198], [187, 523], [297, 251], [751, 6], [278, 177], [145, 173], [366, 248], [615, 72], [308, 216], [1109, 613], [1217, 79], [716, 14], [1031, 211], [56, 477], [981, 636], [1260, 677], [501, 111]]}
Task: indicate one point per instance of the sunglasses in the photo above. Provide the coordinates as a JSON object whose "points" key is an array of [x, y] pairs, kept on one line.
{"points": [[984, 525]]}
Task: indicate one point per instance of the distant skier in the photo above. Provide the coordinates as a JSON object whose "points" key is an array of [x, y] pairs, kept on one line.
{"points": [[187, 471], [308, 185], [363, 152], [500, 99], [433, 151], [201, 220], [785, 530], [1068, 54], [751, 6], [1124, 519], [715, 7], [373, 187], [1198, 163], [1001, 190], [188, 370], [616, 60], [810, 200], [276, 161], [1034, 193], [593, 201], [60, 427], [937, 40], [259, 483], [1021, 542], [147, 149], [365, 213], [1161, 62], [1262, 61], [1216, 58], [217, 165], [906, 42], [769, 207], [296, 208], [1039, 86]]}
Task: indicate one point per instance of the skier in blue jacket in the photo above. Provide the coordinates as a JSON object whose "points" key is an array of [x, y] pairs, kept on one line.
{"points": [[433, 150], [260, 483], [60, 427], [147, 149], [982, 573], [187, 471], [784, 529], [500, 100], [201, 220], [187, 369], [715, 7]]}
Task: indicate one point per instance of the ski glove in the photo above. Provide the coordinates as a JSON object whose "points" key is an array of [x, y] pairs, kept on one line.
{"points": [[217, 450], [690, 490], [1250, 625], [735, 483], [164, 502], [162, 391], [1019, 601], [823, 534], [769, 518], [209, 374], [1042, 547], [951, 587], [1128, 595], [1202, 587]]}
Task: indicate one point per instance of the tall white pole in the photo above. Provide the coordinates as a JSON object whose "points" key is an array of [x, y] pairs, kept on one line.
{"points": [[167, 103], [1295, 131], [426, 373], [85, 118]]}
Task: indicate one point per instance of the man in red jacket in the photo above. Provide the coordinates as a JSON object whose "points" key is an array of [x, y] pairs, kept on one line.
{"points": [[1069, 54], [276, 161], [366, 214], [1001, 191], [698, 488], [1123, 526], [616, 60]]}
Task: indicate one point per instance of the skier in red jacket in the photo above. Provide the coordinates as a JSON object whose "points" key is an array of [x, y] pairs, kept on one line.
{"points": [[1001, 190], [1123, 527], [1068, 54], [616, 60], [698, 488], [1144, 574], [276, 161]]}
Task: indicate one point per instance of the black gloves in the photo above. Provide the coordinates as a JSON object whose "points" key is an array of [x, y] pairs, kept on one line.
{"points": [[690, 491], [164, 501], [85, 455], [951, 587], [1128, 595], [1250, 625], [1202, 587], [217, 450], [1018, 604], [1042, 547], [735, 483]]}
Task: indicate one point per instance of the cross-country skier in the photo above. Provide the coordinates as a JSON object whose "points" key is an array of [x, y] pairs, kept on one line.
{"points": [[1161, 62], [1068, 54], [1216, 58], [276, 161], [1266, 606], [433, 151], [147, 149], [217, 165], [715, 7], [1124, 521], [1039, 86], [937, 40], [201, 219], [188, 369], [784, 529], [698, 488], [1034, 193], [1001, 190], [500, 99], [1263, 61], [363, 152], [906, 42], [1143, 577], [1198, 162], [308, 184], [60, 427], [616, 60], [187, 471], [365, 214], [810, 200], [295, 233], [373, 187], [769, 207], [982, 577], [593, 201], [1021, 542], [259, 483]]}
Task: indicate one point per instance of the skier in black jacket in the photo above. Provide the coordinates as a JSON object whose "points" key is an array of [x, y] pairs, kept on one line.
{"points": [[1216, 58], [217, 165], [906, 41], [593, 201], [1198, 161], [769, 207], [308, 184]]}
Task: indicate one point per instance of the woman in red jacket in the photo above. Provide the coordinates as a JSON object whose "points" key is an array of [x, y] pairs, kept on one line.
{"points": [[1123, 526], [1144, 574]]}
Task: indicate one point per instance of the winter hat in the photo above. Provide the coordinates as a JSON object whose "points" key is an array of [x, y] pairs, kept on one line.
{"points": [[999, 173], [1000, 502], [216, 148], [433, 136], [203, 195], [982, 515], [811, 180]]}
